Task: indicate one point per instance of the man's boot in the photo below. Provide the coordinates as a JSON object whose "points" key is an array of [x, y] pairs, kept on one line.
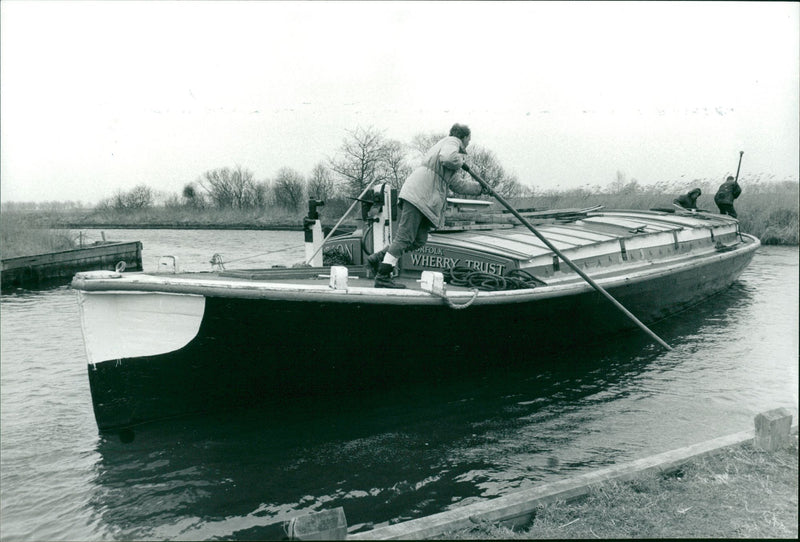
{"points": [[384, 277], [375, 260]]}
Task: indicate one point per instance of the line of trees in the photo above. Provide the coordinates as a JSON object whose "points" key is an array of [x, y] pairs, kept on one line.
{"points": [[365, 155]]}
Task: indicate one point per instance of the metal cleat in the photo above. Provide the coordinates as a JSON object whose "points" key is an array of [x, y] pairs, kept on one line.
{"points": [[167, 264]]}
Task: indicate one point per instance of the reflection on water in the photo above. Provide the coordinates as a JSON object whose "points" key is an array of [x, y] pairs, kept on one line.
{"points": [[387, 455]]}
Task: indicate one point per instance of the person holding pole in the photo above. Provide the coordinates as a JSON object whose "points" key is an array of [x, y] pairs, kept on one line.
{"points": [[423, 199], [729, 191]]}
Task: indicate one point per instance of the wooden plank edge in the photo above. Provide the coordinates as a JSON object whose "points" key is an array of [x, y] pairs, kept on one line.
{"points": [[519, 506], [65, 256]]}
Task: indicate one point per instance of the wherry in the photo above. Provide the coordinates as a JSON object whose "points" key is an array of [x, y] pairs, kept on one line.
{"points": [[484, 290]]}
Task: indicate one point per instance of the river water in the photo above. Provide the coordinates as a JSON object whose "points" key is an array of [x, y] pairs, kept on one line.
{"points": [[399, 454]]}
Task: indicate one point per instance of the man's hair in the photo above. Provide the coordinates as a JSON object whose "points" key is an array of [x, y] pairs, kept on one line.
{"points": [[699, 192], [460, 131], [730, 178]]}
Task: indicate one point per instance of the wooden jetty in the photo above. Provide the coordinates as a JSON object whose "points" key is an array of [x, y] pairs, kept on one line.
{"points": [[39, 268]]}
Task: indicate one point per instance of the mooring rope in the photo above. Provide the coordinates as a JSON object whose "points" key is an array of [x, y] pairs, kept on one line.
{"points": [[456, 306], [261, 254]]}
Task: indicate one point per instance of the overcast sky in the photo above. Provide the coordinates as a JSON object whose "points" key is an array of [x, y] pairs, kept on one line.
{"points": [[98, 97]]}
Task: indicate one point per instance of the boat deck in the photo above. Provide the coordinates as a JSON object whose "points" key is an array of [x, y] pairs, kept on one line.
{"points": [[612, 247]]}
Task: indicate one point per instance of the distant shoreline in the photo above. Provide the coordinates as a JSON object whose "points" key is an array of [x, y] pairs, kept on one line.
{"points": [[174, 226]]}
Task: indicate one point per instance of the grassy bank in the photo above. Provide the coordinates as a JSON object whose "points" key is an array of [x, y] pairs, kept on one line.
{"points": [[738, 493]]}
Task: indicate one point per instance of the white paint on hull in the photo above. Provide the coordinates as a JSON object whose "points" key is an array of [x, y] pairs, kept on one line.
{"points": [[119, 325]]}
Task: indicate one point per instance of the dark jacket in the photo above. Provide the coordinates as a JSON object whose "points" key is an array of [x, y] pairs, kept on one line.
{"points": [[688, 201], [728, 191]]}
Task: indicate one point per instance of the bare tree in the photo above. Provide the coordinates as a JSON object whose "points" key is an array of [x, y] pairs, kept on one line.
{"points": [[394, 163], [360, 159], [139, 197], [230, 188], [623, 186], [289, 189], [320, 184], [485, 163], [193, 197], [422, 143], [263, 195]]}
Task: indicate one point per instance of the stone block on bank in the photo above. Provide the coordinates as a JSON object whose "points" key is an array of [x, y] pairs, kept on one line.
{"points": [[772, 429], [325, 525]]}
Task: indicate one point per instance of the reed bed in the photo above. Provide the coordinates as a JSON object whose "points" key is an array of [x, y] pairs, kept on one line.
{"points": [[22, 234], [766, 209]]}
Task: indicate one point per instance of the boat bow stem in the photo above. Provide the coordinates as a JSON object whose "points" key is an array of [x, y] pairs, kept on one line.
{"points": [[569, 262]]}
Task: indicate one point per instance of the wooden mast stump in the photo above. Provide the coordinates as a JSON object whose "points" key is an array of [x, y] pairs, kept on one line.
{"points": [[772, 429]]}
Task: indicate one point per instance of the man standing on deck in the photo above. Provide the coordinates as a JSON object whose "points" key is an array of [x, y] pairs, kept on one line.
{"points": [[728, 191], [423, 199]]}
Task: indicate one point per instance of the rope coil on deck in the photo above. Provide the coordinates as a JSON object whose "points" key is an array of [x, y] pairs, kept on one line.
{"points": [[460, 275], [515, 279]]}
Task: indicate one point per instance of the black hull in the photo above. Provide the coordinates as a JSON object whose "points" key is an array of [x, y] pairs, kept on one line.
{"points": [[251, 351]]}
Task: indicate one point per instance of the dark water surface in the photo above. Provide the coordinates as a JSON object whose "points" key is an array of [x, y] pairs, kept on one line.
{"points": [[384, 457]]}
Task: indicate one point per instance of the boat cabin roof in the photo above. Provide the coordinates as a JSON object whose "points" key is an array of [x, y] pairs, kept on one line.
{"points": [[572, 229]]}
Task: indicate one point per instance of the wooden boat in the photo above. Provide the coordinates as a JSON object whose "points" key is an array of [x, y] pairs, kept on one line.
{"points": [[484, 291]]}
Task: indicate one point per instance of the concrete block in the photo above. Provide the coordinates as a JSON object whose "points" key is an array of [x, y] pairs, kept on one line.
{"points": [[432, 281], [772, 429], [338, 277], [325, 525]]}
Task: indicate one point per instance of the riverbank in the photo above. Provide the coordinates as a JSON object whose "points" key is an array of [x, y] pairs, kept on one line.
{"points": [[769, 211], [771, 216], [740, 492], [184, 226]]}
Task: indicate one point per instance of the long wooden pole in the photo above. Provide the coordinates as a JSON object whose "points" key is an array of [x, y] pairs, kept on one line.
{"points": [[738, 167], [736, 181], [569, 262]]}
